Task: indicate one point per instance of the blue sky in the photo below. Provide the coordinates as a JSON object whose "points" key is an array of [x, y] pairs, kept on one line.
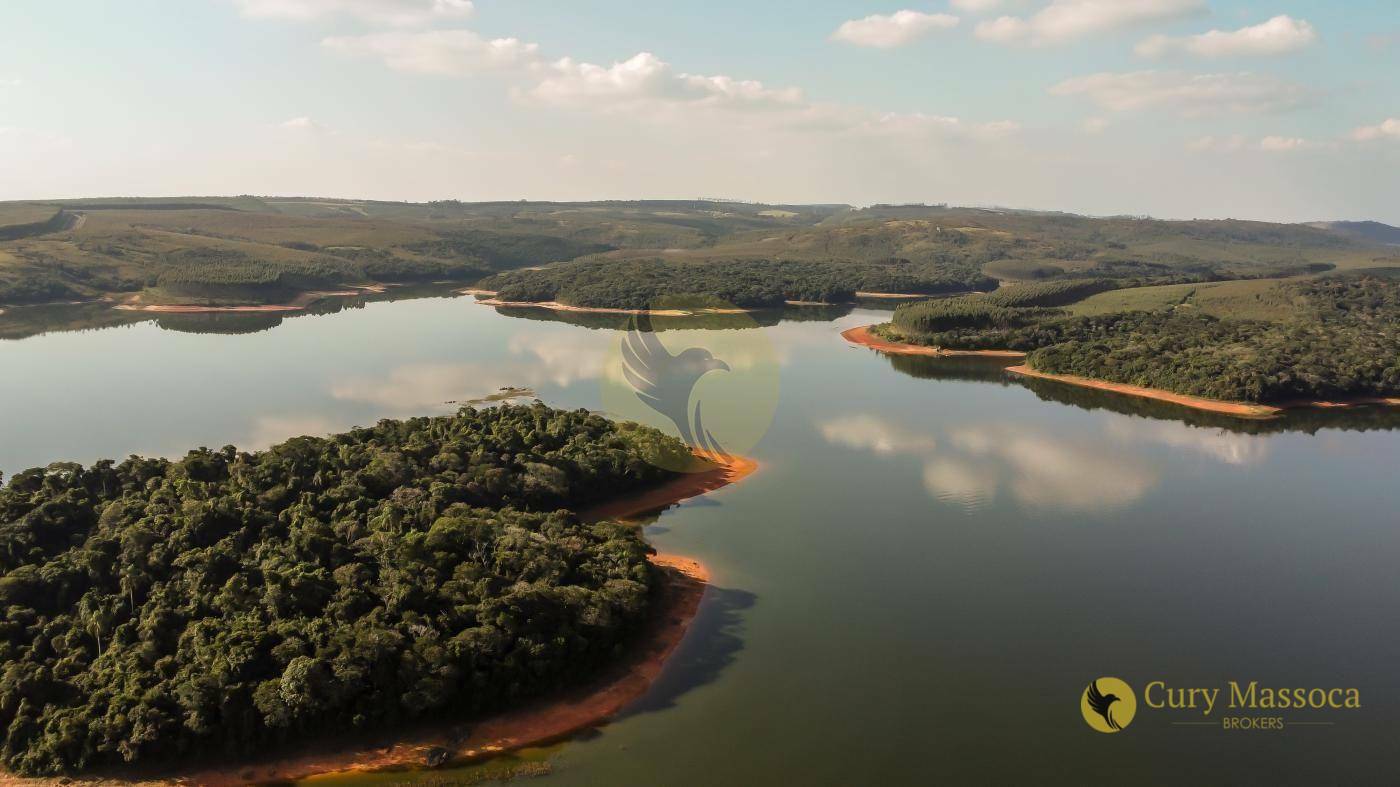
{"points": [[1271, 109]]}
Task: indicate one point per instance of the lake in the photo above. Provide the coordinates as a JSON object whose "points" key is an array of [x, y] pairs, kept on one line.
{"points": [[919, 582]]}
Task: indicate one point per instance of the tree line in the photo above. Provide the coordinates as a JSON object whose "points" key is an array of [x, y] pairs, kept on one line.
{"points": [[1342, 340]]}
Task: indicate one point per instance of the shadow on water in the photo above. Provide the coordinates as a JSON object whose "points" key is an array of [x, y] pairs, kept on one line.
{"points": [[712, 644], [992, 370]]}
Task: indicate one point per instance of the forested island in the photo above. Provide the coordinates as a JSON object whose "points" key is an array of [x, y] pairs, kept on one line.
{"points": [[227, 602], [1330, 337], [749, 284]]}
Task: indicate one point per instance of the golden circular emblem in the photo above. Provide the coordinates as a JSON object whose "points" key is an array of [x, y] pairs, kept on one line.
{"points": [[1108, 704]]}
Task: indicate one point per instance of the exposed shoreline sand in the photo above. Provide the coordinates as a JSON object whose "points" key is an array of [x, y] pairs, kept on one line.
{"points": [[540, 722], [1238, 409], [683, 487], [902, 296], [864, 337]]}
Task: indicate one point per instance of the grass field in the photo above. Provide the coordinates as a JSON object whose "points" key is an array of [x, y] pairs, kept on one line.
{"points": [[1254, 299], [12, 213]]}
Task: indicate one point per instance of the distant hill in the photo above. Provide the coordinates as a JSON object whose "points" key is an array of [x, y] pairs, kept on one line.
{"points": [[1364, 231]]}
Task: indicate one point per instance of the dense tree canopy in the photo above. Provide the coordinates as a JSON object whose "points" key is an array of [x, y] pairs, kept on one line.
{"points": [[645, 283], [232, 600], [1341, 339], [225, 273]]}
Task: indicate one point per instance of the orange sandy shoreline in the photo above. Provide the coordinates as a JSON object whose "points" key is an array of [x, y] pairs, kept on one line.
{"points": [[683, 487], [1238, 409], [541, 722], [893, 295], [1241, 409], [864, 337]]}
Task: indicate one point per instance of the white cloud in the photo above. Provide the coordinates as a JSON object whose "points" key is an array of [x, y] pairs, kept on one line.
{"points": [[642, 76], [1239, 142], [647, 78], [1389, 128], [920, 124], [974, 6], [1094, 125], [445, 52], [892, 30], [1278, 36], [1003, 30], [1068, 20], [1282, 144], [399, 13], [725, 90], [300, 124], [11, 82], [1188, 94], [1214, 144]]}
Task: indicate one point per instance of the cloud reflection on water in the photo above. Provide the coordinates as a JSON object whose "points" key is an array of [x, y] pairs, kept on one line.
{"points": [[1229, 447], [875, 434], [972, 464], [560, 360]]}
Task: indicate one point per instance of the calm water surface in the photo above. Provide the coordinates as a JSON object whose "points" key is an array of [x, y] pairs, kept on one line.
{"points": [[917, 585]]}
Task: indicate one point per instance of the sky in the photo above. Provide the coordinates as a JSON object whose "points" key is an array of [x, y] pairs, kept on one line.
{"points": [[1284, 110]]}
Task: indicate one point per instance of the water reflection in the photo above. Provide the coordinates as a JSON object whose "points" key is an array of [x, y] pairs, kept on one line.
{"points": [[228, 323], [1234, 448], [875, 434], [536, 359], [992, 371], [698, 322], [562, 359], [970, 464], [1066, 473], [269, 430], [419, 387], [968, 483], [22, 322]]}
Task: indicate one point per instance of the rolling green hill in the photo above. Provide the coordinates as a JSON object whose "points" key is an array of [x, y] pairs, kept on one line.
{"points": [[251, 250]]}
